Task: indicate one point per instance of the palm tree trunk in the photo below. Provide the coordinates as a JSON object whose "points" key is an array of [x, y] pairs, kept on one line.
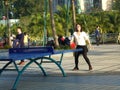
{"points": [[73, 13], [53, 24]]}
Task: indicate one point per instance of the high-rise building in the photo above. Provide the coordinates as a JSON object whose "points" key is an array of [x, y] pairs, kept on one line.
{"points": [[1, 9], [107, 5], [59, 2], [86, 5]]}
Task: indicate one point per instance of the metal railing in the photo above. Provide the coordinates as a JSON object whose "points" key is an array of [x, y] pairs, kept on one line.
{"points": [[105, 38]]}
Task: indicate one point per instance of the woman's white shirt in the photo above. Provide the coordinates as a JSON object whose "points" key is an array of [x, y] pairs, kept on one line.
{"points": [[81, 38]]}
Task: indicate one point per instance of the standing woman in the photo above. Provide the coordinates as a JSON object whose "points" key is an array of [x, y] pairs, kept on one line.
{"points": [[81, 39]]}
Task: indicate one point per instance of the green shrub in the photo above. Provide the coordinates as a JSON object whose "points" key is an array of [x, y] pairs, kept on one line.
{"points": [[6, 47]]}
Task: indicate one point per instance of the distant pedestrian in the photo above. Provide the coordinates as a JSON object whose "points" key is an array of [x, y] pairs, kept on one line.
{"points": [[80, 38], [19, 41], [118, 39], [61, 40], [67, 41], [97, 35], [12, 38], [26, 40]]}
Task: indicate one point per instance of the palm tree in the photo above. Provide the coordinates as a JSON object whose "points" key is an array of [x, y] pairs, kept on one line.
{"points": [[53, 24], [63, 17]]}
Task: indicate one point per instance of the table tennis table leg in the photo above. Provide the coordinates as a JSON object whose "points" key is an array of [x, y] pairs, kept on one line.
{"points": [[41, 68], [19, 75], [61, 58], [16, 67], [23, 69], [58, 64], [3, 68]]}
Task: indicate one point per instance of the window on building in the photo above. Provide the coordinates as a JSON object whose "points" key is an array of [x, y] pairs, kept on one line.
{"points": [[97, 4], [88, 5], [61, 2]]}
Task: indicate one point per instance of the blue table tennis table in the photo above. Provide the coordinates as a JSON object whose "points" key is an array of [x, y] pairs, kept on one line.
{"points": [[33, 54]]}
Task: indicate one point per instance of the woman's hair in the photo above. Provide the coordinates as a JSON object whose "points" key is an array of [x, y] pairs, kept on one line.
{"points": [[19, 28], [97, 26], [25, 33], [77, 29]]}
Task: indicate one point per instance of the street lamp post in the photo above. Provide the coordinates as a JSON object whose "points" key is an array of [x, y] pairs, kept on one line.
{"points": [[7, 19], [45, 30], [67, 17]]}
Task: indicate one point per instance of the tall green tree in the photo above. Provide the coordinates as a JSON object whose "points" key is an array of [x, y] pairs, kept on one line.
{"points": [[116, 5], [53, 24], [63, 20], [73, 13], [28, 7], [114, 22]]}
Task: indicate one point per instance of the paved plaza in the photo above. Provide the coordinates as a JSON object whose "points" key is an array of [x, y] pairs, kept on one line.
{"points": [[105, 75]]}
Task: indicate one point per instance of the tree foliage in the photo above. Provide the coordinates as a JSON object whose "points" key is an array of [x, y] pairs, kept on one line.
{"points": [[32, 19], [28, 7], [116, 5]]}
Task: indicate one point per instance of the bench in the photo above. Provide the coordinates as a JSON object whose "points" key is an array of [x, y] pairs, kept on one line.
{"points": [[32, 54]]}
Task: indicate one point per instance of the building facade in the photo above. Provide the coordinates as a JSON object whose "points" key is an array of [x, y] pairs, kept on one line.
{"points": [[107, 5], [86, 5], [60, 3]]}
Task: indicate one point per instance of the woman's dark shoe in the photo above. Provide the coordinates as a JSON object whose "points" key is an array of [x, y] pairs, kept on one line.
{"points": [[75, 69], [90, 68]]}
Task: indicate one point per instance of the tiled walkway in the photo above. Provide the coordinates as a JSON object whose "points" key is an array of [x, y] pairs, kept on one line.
{"points": [[104, 76]]}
